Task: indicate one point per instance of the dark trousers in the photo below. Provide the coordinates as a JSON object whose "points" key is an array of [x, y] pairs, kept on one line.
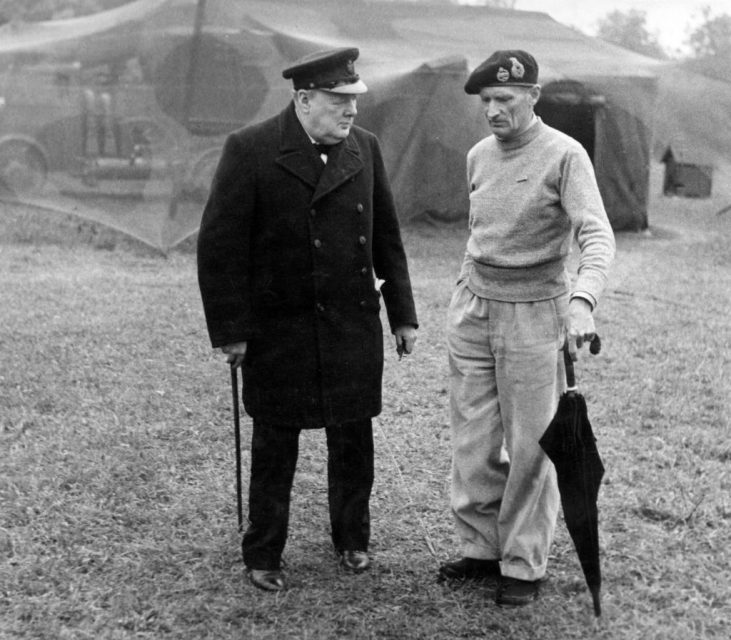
{"points": [[274, 454]]}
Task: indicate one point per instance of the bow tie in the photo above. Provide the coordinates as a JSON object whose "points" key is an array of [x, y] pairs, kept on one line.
{"points": [[322, 148]]}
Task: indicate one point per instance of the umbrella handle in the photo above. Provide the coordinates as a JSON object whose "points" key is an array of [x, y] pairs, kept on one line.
{"points": [[595, 346], [569, 366]]}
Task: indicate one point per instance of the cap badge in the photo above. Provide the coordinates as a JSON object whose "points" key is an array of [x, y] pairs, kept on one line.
{"points": [[518, 70], [350, 67], [503, 75]]}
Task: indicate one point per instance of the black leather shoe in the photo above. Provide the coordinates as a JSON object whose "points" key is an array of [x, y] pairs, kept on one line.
{"points": [[267, 579], [469, 569], [355, 561], [512, 592]]}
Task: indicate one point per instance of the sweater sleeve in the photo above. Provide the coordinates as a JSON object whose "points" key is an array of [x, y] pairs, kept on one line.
{"points": [[583, 204]]}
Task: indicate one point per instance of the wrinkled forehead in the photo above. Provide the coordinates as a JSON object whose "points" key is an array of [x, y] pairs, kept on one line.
{"points": [[503, 92]]}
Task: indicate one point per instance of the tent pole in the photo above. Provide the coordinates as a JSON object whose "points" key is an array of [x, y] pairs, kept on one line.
{"points": [[189, 94], [193, 61]]}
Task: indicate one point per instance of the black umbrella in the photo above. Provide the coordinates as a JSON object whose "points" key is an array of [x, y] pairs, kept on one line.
{"points": [[570, 444]]}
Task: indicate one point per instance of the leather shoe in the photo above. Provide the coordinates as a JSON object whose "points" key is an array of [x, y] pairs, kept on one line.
{"points": [[512, 592], [267, 579], [469, 569], [355, 561]]}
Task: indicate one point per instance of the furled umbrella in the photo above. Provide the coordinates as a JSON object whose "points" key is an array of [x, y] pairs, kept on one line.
{"points": [[570, 444]]}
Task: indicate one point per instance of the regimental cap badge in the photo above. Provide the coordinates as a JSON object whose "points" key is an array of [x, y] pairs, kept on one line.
{"points": [[503, 75], [518, 70]]}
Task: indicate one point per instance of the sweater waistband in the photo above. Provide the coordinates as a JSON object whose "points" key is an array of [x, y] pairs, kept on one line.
{"points": [[518, 284]]}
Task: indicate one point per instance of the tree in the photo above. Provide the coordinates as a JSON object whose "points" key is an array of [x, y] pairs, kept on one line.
{"points": [[628, 29], [711, 46], [713, 36]]}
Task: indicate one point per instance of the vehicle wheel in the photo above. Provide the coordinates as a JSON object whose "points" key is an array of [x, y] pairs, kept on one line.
{"points": [[23, 167]]}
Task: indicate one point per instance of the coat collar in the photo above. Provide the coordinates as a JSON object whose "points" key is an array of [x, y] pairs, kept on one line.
{"points": [[298, 156]]}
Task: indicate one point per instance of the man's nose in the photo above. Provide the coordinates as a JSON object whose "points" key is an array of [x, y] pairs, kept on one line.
{"points": [[351, 107], [491, 110]]}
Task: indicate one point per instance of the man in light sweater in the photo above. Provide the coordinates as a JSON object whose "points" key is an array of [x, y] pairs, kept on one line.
{"points": [[532, 190]]}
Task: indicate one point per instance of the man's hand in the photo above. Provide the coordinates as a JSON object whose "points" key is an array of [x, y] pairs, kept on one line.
{"points": [[580, 327], [236, 353], [405, 339]]}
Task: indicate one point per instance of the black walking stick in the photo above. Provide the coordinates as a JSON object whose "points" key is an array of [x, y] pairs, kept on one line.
{"points": [[237, 434]]}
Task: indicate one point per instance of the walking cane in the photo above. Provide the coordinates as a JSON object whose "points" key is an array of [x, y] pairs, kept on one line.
{"points": [[237, 434]]}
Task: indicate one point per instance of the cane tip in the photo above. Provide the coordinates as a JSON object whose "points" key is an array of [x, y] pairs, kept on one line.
{"points": [[597, 604]]}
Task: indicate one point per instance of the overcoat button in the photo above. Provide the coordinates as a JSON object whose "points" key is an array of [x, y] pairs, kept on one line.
{"points": [[313, 212], [317, 244], [362, 240], [359, 208], [320, 307], [362, 303], [364, 271]]}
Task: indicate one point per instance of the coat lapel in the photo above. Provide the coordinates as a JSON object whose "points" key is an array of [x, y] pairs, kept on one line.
{"points": [[298, 156], [343, 163], [296, 153]]}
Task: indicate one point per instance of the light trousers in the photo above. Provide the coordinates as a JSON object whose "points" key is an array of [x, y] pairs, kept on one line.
{"points": [[506, 374]]}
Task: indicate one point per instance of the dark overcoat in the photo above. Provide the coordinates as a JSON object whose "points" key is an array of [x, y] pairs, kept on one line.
{"points": [[287, 253]]}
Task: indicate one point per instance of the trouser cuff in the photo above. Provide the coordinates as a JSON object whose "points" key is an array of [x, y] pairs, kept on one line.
{"points": [[522, 572], [480, 552]]}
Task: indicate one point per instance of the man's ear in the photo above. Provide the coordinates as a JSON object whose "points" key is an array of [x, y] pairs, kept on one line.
{"points": [[535, 94], [302, 98]]}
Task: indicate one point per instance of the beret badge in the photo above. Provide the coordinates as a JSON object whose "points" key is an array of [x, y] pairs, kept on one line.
{"points": [[518, 70], [504, 67]]}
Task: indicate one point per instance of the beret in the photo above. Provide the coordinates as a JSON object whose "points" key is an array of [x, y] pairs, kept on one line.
{"points": [[506, 67], [330, 70]]}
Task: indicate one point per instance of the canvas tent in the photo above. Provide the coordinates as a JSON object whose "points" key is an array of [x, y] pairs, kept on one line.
{"points": [[182, 90]]}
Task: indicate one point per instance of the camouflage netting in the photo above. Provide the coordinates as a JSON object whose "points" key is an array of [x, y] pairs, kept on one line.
{"points": [[119, 117]]}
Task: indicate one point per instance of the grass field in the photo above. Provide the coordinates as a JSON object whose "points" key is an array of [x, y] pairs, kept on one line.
{"points": [[117, 508]]}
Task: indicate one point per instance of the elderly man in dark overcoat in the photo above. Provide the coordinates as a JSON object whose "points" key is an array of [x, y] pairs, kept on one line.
{"points": [[299, 228]]}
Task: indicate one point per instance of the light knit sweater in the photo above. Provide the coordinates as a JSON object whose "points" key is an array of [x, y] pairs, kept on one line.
{"points": [[526, 197]]}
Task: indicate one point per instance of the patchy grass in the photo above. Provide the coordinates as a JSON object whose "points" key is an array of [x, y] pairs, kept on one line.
{"points": [[117, 510]]}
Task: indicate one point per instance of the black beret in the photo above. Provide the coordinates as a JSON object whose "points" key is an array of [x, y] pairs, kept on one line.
{"points": [[510, 67], [331, 70]]}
